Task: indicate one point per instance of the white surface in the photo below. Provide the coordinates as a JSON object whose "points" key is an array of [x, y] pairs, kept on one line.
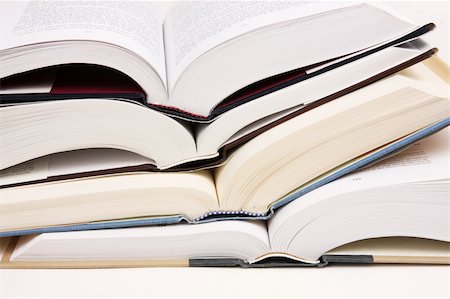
{"points": [[332, 282]]}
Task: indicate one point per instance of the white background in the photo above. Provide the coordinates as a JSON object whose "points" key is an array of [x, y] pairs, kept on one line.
{"points": [[330, 282]]}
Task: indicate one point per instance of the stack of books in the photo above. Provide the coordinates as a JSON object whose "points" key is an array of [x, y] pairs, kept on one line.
{"points": [[253, 134]]}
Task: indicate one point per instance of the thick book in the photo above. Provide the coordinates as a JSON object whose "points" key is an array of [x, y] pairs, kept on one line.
{"points": [[201, 54], [60, 52], [270, 170], [119, 125], [395, 211]]}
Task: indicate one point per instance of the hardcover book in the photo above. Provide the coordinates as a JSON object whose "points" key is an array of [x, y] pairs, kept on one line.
{"points": [[296, 156], [116, 123], [194, 61], [396, 211], [84, 57]]}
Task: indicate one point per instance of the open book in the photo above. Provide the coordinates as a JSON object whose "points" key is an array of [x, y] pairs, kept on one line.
{"points": [[203, 59], [61, 126], [403, 196], [270, 170]]}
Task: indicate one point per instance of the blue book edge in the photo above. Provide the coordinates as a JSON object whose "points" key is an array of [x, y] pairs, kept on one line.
{"points": [[243, 215]]}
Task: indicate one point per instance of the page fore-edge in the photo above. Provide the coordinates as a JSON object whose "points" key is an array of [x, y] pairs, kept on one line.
{"points": [[230, 215]]}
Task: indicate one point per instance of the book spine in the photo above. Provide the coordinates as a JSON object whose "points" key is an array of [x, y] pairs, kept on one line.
{"points": [[163, 220], [347, 259], [219, 262], [222, 215]]}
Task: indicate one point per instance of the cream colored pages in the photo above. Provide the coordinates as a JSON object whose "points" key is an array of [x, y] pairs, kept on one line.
{"points": [[260, 166], [398, 250], [108, 198], [425, 161], [395, 246]]}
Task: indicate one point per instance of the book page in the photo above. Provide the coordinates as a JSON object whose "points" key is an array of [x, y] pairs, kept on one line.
{"points": [[192, 28], [79, 162], [424, 161], [133, 25]]}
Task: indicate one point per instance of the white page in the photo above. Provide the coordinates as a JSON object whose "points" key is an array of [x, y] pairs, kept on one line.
{"points": [[234, 238], [132, 25], [87, 160], [36, 169], [424, 161], [71, 162], [193, 28]]}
